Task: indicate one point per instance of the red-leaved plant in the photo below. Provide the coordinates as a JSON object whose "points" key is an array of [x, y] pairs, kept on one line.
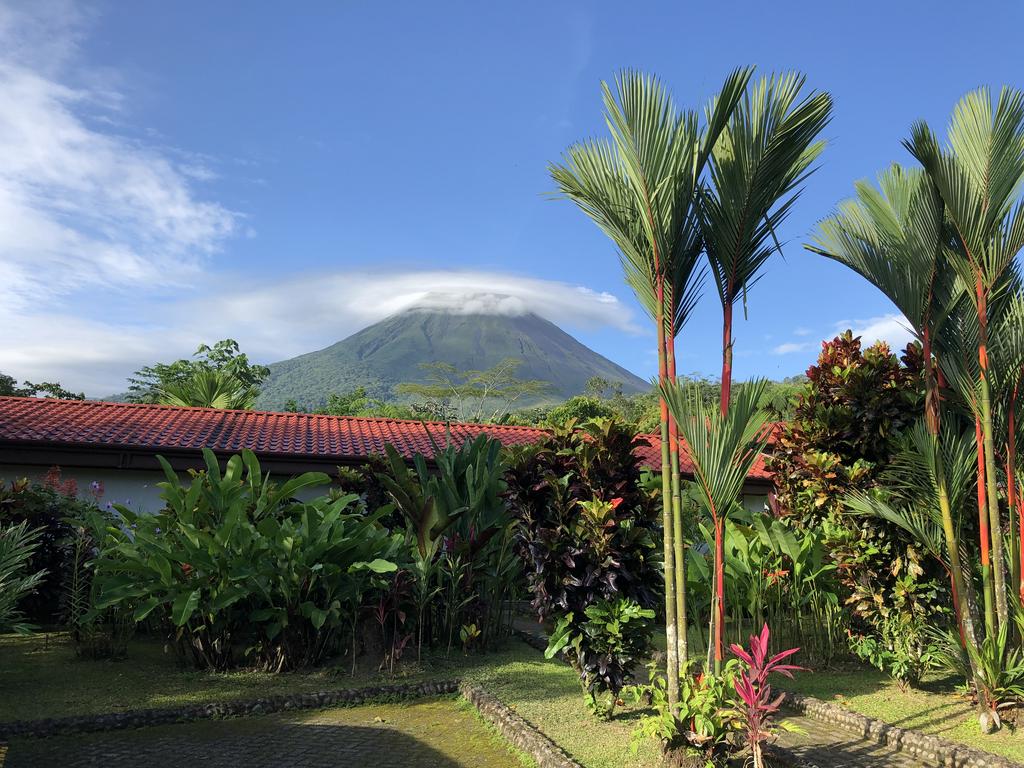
{"points": [[758, 707]]}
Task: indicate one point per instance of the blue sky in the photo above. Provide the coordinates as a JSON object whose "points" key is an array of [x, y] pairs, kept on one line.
{"points": [[172, 173]]}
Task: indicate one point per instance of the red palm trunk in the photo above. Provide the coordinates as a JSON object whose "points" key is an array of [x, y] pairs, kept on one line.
{"points": [[1011, 489], [719, 592], [986, 544], [983, 528], [726, 356], [726, 397]]}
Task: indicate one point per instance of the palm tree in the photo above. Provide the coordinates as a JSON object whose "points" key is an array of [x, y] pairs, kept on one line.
{"points": [[640, 187], [978, 175], [757, 166], [756, 170], [893, 235], [209, 388], [723, 448]]}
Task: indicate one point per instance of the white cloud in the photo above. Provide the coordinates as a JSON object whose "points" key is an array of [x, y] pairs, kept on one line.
{"points": [[891, 328], [306, 313], [82, 207], [792, 346], [274, 320]]}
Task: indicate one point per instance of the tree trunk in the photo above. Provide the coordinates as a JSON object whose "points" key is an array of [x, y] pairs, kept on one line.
{"points": [[1016, 522], [983, 523], [679, 534], [719, 561], [672, 642], [992, 489], [719, 612], [726, 393]]}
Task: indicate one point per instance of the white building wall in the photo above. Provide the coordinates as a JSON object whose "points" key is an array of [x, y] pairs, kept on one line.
{"points": [[134, 488]]}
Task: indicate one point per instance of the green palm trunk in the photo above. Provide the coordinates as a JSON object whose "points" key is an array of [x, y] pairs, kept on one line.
{"points": [[669, 533], [995, 526]]}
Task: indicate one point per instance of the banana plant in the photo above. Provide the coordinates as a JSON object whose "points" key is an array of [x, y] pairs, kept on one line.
{"points": [[234, 563]]}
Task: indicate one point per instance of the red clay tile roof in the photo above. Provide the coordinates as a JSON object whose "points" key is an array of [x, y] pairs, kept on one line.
{"points": [[163, 427]]}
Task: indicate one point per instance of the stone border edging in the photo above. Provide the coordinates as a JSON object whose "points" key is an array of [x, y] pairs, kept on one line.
{"points": [[949, 754], [923, 746], [59, 726], [516, 730]]}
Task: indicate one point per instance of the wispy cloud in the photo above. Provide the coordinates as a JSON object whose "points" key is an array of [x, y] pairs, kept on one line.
{"points": [[890, 328], [792, 346], [81, 206]]}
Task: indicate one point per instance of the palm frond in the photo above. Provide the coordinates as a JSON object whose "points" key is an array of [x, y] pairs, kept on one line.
{"points": [[757, 165], [722, 449]]}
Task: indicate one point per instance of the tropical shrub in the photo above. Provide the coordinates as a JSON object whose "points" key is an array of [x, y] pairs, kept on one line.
{"points": [[849, 426], [703, 723], [580, 408], [235, 567], [776, 573], [589, 531], [757, 708], [603, 645], [94, 633], [48, 506], [459, 538]]}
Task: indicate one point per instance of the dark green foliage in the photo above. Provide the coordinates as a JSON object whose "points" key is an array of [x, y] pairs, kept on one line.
{"points": [[234, 567], [459, 536], [390, 352], [94, 634], [147, 383], [9, 388], [18, 544], [847, 429], [589, 532], [580, 408], [363, 480]]}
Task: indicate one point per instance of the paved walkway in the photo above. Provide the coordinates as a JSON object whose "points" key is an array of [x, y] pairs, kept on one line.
{"points": [[828, 746], [424, 734]]}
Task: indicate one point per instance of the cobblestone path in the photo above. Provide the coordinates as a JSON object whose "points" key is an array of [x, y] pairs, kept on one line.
{"points": [[828, 746], [424, 734]]}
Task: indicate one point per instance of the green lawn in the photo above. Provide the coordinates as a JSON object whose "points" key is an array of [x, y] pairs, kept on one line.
{"points": [[40, 677], [547, 694]]}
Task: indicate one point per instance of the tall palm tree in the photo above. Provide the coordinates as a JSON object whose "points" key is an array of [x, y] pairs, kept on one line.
{"points": [[757, 167], [893, 235], [209, 388], [723, 449], [978, 175], [756, 170], [640, 188]]}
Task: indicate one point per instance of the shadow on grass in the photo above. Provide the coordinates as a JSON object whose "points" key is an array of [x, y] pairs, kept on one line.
{"points": [[270, 746]]}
